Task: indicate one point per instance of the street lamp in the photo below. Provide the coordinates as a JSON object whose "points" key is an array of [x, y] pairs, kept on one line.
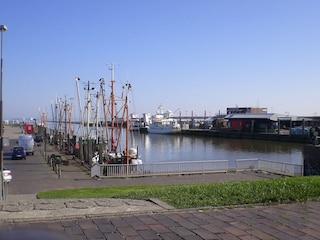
{"points": [[3, 28]]}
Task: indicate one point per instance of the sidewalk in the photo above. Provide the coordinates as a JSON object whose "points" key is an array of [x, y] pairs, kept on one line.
{"points": [[123, 219]]}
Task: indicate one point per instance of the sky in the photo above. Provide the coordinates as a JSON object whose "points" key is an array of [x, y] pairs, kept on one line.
{"points": [[190, 56]]}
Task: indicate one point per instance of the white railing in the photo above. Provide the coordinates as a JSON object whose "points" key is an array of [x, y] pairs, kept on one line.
{"points": [[159, 168], [288, 169], [193, 167]]}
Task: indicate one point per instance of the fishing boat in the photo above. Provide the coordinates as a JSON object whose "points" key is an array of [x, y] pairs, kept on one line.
{"points": [[119, 121], [163, 122], [113, 132]]}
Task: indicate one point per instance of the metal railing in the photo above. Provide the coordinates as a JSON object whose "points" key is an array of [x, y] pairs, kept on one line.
{"points": [[193, 167], [283, 168], [158, 168]]}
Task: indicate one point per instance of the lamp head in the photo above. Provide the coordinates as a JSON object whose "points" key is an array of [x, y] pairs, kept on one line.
{"points": [[3, 28]]}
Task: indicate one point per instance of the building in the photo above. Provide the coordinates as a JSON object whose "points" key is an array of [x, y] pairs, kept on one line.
{"points": [[245, 110]]}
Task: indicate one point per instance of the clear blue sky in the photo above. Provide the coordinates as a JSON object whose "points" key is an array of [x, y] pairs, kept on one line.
{"points": [[191, 55]]}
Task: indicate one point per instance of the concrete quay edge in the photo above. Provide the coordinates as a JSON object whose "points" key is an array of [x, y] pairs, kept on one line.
{"points": [[68, 209]]}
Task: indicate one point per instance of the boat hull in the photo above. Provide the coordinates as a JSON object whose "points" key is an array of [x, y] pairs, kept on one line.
{"points": [[163, 130]]}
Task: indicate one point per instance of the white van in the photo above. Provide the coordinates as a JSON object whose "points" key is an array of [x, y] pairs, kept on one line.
{"points": [[27, 142]]}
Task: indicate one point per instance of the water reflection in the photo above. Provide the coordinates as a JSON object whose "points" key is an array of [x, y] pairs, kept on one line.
{"points": [[169, 148]]}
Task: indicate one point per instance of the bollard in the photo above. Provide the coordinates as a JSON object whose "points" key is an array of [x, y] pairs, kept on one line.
{"points": [[59, 171]]}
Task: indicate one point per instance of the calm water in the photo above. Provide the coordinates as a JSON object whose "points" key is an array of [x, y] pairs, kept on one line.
{"points": [[168, 148], [171, 148]]}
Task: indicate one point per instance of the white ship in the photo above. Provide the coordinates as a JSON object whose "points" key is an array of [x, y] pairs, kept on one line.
{"points": [[163, 123]]}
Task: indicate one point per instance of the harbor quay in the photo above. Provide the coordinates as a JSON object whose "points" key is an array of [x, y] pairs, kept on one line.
{"points": [[226, 133], [25, 215]]}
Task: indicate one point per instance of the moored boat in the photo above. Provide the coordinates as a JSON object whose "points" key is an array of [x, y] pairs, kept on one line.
{"points": [[113, 155], [163, 123], [116, 117]]}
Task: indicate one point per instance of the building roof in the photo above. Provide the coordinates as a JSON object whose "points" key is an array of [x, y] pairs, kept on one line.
{"points": [[250, 116], [265, 116]]}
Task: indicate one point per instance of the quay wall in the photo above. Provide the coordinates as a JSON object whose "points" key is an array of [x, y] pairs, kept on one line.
{"points": [[311, 159], [246, 135]]}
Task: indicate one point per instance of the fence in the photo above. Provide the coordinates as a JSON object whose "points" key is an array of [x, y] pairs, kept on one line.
{"points": [[160, 168], [283, 168], [196, 167]]}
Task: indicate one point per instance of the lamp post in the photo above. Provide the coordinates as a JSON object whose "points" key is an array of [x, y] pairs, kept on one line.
{"points": [[3, 28]]}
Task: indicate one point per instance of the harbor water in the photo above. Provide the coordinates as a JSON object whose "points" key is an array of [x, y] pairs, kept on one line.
{"points": [[173, 148], [178, 148]]}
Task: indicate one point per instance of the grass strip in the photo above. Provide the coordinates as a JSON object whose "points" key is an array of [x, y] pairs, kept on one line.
{"points": [[283, 190]]}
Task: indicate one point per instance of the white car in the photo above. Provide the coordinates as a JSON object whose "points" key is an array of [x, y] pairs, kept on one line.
{"points": [[7, 177]]}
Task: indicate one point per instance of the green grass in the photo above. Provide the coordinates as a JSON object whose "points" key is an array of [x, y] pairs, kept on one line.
{"points": [[283, 190]]}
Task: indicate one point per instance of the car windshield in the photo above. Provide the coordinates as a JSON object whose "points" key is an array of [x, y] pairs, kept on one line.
{"points": [[16, 149]]}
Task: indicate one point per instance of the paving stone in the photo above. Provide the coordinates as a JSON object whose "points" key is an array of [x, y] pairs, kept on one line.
{"points": [[205, 234], [235, 231], [149, 220], [158, 228], [119, 222], [127, 231], [139, 225], [182, 232], [249, 237], [93, 234], [107, 228], [171, 236], [213, 228], [74, 230], [87, 224], [148, 234], [113, 236]]}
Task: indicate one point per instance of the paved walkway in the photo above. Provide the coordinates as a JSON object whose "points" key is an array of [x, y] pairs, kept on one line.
{"points": [[122, 219]]}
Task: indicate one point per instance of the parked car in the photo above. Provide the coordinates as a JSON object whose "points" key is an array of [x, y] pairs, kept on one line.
{"points": [[18, 153], [7, 176]]}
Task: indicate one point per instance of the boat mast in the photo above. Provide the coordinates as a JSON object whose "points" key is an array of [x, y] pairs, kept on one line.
{"points": [[88, 108], [113, 148], [102, 92], [70, 118], [97, 117], [80, 106], [53, 117], [126, 109]]}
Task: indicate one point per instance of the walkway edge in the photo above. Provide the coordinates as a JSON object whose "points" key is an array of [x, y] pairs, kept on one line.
{"points": [[58, 209]]}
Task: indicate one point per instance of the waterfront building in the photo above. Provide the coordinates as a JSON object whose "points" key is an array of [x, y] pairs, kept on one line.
{"points": [[245, 110]]}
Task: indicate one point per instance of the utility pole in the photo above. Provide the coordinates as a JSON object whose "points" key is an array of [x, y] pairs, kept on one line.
{"points": [[65, 125], [3, 28]]}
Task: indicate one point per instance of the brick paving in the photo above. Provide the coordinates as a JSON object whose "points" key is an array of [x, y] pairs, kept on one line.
{"points": [[287, 221]]}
